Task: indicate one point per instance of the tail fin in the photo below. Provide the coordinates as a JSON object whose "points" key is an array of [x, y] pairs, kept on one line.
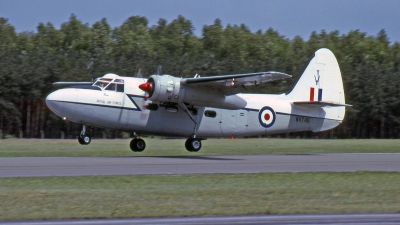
{"points": [[321, 83], [319, 93]]}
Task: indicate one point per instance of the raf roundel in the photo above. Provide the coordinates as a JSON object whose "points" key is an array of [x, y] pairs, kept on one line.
{"points": [[267, 117]]}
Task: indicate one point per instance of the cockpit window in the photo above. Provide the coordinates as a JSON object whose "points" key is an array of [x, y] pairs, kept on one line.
{"points": [[110, 84], [111, 87], [120, 85], [102, 82]]}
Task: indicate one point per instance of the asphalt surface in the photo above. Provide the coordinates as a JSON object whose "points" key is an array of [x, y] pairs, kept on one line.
{"points": [[83, 166], [333, 219]]}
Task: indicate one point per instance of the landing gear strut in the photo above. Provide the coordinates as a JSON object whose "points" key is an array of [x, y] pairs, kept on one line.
{"points": [[137, 144], [192, 144], [83, 138]]}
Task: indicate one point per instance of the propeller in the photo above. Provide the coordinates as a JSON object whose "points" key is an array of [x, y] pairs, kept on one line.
{"points": [[148, 90], [148, 87]]}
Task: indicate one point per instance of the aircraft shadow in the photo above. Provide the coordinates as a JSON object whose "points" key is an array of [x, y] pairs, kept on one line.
{"points": [[217, 158], [195, 157]]}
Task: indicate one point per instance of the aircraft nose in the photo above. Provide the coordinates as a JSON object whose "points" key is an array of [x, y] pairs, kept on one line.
{"points": [[55, 102]]}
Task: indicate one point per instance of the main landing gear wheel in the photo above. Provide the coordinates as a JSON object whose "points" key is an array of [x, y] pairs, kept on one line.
{"points": [[84, 139], [193, 144], [137, 145]]}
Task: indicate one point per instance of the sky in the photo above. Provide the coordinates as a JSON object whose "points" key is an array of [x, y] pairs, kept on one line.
{"points": [[288, 17]]}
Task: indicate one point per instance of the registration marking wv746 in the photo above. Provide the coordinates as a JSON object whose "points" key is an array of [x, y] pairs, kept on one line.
{"points": [[302, 119]]}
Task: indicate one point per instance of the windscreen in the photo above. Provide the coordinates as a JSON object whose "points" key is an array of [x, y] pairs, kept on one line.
{"points": [[102, 82]]}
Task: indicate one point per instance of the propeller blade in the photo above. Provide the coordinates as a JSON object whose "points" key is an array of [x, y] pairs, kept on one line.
{"points": [[159, 70], [146, 101], [147, 88], [90, 63], [138, 72]]}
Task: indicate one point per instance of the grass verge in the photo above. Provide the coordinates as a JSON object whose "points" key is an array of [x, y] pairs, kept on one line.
{"points": [[175, 147], [197, 195]]}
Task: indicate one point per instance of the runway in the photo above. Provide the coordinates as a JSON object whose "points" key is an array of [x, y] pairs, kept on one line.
{"points": [[331, 219], [84, 166]]}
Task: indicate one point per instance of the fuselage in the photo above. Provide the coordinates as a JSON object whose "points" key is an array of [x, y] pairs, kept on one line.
{"points": [[120, 104]]}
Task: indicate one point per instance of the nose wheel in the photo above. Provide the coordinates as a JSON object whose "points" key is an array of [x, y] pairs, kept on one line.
{"points": [[84, 139], [193, 144], [137, 145]]}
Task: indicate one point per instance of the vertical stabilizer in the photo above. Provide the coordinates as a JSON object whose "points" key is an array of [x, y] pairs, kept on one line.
{"points": [[320, 82], [318, 92]]}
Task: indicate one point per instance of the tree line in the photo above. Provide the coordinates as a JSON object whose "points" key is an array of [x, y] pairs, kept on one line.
{"points": [[31, 61]]}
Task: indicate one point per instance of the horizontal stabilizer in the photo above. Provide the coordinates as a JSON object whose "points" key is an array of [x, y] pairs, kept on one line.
{"points": [[72, 83], [319, 103]]}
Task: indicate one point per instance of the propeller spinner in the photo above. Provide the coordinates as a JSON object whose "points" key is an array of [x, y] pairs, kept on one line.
{"points": [[147, 87]]}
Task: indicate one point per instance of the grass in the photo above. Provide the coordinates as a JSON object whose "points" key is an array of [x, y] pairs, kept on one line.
{"points": [[175, 147], [197, 195]]}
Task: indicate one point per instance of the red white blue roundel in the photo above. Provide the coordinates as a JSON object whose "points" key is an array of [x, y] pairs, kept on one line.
{"points": [[267, 117]]}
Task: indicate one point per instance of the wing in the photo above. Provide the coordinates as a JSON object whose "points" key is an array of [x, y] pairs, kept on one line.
{"points": [[235, 83], [62, 83]]}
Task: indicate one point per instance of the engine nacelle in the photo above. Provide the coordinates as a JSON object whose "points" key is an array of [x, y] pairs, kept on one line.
{"points": [[167, 88], [164, 88]]}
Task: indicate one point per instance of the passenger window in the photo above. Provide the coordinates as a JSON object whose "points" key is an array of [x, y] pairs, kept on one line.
{"points": [[210, 113]]}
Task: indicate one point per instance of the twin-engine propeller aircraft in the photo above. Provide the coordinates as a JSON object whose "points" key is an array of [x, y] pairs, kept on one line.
{"points": [[203, 107]]}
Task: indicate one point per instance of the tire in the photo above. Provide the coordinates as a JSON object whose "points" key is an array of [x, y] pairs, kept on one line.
{"points": [[84, 140], [137, 145], [187, 145], [193, 144]]}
